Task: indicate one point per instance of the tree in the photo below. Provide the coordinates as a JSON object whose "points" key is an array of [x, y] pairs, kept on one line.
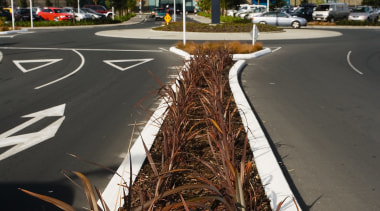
{"points": [[204, 5], [373, 3], [48, 3], [277, 4], [23, 3], [71, 3]]}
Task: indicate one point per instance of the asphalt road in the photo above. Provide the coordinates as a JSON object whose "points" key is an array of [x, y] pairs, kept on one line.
{"points": [[319, 103], [89, 91]]}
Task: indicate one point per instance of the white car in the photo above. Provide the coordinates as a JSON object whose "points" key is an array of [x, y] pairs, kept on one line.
{"points": [[279, 19], [79, 16], [93, 13], [363, 13], [256, 12]]}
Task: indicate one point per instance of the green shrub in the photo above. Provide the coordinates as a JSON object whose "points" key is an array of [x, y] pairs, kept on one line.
{"points": [[225, 27], [117, 19]]}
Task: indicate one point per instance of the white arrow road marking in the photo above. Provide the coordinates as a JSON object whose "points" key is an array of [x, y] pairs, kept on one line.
{"points": [[25, 141], [46, 62], [140, 61]]}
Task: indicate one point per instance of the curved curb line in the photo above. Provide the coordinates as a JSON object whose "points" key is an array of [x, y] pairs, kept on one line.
{"points": [[14, 31], [251, 55], [274, 182], [235, 57]]}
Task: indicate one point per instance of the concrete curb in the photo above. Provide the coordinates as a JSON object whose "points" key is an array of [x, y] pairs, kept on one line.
{"points": [[275, 184], [251, 55], [14, 31]]}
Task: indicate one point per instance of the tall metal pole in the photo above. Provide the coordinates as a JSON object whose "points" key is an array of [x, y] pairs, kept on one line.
{"points": [[175, 13], [78, 7], [184, 21], [31, 14], [13, 15]]}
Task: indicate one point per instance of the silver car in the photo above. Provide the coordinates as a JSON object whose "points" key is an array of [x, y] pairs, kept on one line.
{"points": [[279, 19], [363, 13]]}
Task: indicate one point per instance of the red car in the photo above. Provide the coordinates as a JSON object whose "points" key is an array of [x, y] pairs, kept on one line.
{"points": [[54, 14]]}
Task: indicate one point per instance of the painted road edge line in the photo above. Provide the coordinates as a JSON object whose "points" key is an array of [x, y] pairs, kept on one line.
{"points": [[274, 182]]}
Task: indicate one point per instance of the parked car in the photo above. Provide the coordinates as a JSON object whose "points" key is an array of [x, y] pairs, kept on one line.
{"points": [[286, 9], [23, 14], [244, 9], [258, 11], [159, 13], [79, 16], [100, 9], [279, 19], [331, 12], [363, 13], [93, 13], [5, 15], [54, 14], [304, 11]]}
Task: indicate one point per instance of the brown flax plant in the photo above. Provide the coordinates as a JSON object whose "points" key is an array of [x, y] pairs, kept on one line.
{"points": [[194, 164]]}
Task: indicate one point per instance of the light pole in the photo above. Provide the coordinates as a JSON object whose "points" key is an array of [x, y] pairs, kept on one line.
{"points": [[13, 16], [184, 21], [31, 14]]}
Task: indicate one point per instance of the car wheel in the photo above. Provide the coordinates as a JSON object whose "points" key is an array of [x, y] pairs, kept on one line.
{"points": [[55, 18], [332, 20], [296, 25], [262, 22]]}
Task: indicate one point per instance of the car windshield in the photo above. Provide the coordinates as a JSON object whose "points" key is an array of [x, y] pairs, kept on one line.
{"points": [[269, 14], [299, 10], [57, 10], [360, 9], [323, 8], [283, 15]]}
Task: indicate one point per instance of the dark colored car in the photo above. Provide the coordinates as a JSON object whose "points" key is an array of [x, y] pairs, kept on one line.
{"points": [[305, 11], [5, 15], [159, 13], [24, 15]]}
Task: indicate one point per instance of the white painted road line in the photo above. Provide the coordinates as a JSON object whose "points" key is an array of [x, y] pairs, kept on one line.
{"points": [[352, 66], [140, 61], [274, 182], [78, 49], [46, 62], [68, 75]]}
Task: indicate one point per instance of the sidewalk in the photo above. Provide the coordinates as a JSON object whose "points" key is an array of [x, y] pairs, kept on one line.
{"points": [[163, 35]]}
